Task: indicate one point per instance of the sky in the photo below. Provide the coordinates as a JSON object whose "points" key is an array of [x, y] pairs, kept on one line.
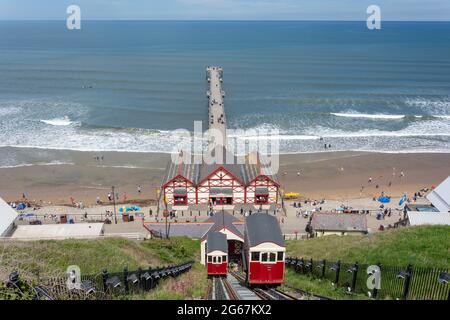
{"points": [[225, 9]]}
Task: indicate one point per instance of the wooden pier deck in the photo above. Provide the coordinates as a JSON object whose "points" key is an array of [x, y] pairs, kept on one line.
{"points": [[217, 119]]}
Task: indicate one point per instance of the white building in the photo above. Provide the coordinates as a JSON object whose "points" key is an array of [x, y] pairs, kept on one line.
{"points": [[58, 231], [428, 218], [7, 217], [440, 196]]}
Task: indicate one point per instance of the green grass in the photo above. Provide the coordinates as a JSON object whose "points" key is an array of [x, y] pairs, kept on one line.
{"points": [[317, 286], [40, 259], [427, 246]]}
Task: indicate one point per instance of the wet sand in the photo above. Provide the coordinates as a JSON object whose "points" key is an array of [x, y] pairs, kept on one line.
{"points": [[333, 175]]}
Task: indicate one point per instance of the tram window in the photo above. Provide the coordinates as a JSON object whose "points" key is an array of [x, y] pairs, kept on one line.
{"points": [[224, 258], [209, 259], [255, 256], [264, 257], [214, 259], [273, 257], [280, 256]]}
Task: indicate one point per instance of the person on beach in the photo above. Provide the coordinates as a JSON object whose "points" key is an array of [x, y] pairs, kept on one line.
{"points": [[98, 200], [139, 189]]}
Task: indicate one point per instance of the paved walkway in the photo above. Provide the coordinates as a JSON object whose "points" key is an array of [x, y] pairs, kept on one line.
{"points": [[217, 118]]}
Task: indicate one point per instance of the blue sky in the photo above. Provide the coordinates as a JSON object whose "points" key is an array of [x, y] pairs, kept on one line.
{"points": [[226, 9]]}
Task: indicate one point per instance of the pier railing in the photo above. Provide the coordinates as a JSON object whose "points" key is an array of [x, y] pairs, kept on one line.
{"points": [[395, 282]]}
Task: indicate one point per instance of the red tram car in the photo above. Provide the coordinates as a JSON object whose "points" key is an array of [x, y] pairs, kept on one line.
{"points": [[264, 251], [217, 254]]}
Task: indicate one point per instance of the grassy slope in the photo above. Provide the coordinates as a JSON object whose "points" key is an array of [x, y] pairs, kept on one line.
{"points": [[422, 246], [50, 258]]}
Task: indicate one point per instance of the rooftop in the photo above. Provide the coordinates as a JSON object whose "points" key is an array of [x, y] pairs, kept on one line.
{"points": [[262, 227], [437, 218], [217, 241], [58, 231], [7, 217], [339, 222], [440, 196]]}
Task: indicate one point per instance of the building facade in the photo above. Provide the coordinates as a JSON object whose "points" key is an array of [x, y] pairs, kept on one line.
{"points": [[220, 185]]}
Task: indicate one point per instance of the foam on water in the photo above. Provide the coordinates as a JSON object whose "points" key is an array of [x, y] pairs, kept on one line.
{"points": [[65, 121], [51, 163], [369, 116]]}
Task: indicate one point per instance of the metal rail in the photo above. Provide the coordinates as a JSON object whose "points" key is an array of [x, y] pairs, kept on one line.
{"points": [[221, 289], [276, 294], [272, 294]]}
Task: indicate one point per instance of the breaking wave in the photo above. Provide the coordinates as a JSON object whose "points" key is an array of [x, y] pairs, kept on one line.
{"points": [[369, 116]]}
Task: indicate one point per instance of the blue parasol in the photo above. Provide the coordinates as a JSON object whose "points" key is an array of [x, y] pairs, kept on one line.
{"points": [[384, 199], [402, 200]]}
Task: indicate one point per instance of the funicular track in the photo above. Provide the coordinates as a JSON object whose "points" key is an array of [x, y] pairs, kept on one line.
{"points": [[221, 289], [276, 294]]}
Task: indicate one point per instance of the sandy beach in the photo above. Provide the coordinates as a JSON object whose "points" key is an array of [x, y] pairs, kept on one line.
{"points": [[331, 175]]}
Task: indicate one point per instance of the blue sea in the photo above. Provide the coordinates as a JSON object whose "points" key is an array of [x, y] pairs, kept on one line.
{"points": [[127, 85]]}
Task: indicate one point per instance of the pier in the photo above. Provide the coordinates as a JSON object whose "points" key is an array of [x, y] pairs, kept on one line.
{"points": [[216, 115]]}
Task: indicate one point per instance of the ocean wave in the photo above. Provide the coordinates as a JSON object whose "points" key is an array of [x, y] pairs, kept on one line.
{"points": [[65, 121], [52, 163], [435, 107], [6, 111], [369, 116]]}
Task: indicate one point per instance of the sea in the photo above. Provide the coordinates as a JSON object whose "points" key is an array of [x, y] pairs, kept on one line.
{"points": [[130, 85]]}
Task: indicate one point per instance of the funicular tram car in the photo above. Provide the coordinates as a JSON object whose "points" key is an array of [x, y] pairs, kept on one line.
{"points": [[217, 254], [264, 251]]}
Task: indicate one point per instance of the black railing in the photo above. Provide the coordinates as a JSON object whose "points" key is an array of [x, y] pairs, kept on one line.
{"points": [[407, 283], [105, 285]]}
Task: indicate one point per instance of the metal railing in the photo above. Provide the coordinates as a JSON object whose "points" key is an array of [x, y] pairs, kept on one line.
{"points": [[406, 283], [104, 286]]}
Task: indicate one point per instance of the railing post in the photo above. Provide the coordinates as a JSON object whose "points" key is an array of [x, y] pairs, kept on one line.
{"points": [[338, 270], [375, 290], [105, 277], [355, 275], [324, 265], [408, 277], [138, 274], [311, 266], [125, 279]]}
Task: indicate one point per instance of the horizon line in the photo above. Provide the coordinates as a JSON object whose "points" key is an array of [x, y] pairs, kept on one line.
{"points": [[220, 20]]}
